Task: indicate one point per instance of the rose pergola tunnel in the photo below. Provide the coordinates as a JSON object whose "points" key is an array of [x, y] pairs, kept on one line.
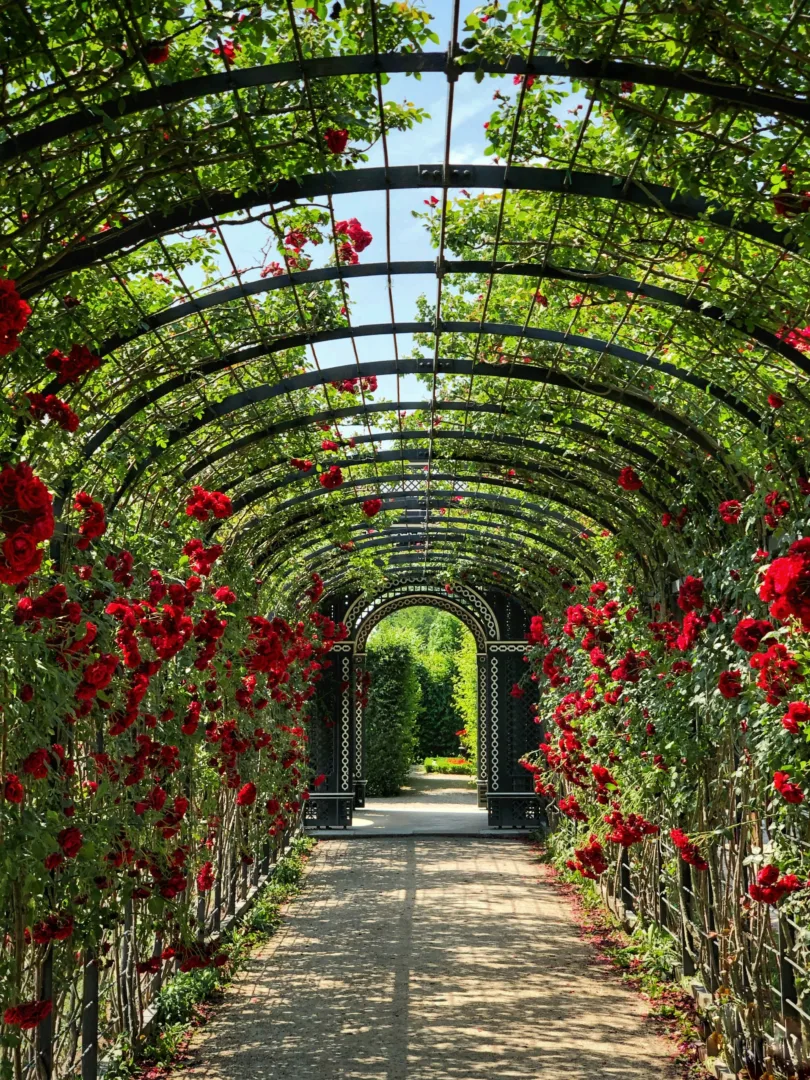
{"points": [[288, 348]]}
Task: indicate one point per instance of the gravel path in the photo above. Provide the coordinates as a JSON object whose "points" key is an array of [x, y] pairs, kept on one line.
{"points": [[427, 959]]}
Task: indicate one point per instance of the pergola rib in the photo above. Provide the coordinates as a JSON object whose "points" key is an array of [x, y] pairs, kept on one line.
{"points": [[629, 398], [309, 379], [593, 185], [492, 482], [419, 455], [500, 508], [369, 408], [536, 271], [682, 80]]}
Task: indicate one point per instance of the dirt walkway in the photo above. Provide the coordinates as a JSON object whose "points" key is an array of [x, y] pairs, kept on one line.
{"points": [[427, 959]]}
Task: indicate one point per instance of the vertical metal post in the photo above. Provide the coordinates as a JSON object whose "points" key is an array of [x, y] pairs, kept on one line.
{"points": [[232, 881], [787, 981], [685, 884], [90, 1017], [217, 922]]}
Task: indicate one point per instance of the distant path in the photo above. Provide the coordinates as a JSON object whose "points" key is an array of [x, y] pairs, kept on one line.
{"points": [[429, 803], [427, 959]]}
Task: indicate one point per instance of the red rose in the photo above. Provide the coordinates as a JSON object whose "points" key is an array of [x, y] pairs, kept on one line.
{"points": [[372, 507], [749, 632], [247, 795], [690, 594], [798, 713], [28, 1015], [730, 511], [156, 53], [14, 314], [786, 584], [21, 553], [629, 480], [789, 791], [205, 877], [331, 479], [13, 790], [730, 684], [70, 840], [776, 401], [336, 139]]}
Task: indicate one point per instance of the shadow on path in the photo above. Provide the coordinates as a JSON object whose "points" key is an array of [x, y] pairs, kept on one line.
{"points": [[428, 959]]}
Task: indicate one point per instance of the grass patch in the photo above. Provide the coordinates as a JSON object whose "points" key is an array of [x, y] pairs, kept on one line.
{"points": [[458, 766], [181, 1003]]}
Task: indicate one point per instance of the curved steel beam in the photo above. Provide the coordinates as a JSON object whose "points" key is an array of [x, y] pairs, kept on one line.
{"points": [[496, 482], [684, 81], [370, 407], [419, 455], [538, 271], [400, 178], [310, 379], [625, 397], [502, 507]]}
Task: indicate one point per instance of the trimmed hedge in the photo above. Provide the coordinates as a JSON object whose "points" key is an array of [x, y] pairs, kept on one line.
{"points": [[390, 718]]}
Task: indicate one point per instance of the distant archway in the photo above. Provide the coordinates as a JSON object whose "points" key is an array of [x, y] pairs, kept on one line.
{"points": [[506, 725]]}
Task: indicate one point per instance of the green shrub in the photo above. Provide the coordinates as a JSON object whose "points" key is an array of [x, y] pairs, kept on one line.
{"points": [[465, 695], [438, 719], [391, 714]]}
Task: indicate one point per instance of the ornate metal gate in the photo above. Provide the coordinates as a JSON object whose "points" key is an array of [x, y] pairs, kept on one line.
{"points": [[506, 727]]}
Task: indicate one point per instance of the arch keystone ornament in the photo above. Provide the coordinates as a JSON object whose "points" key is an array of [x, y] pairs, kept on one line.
{"points": [[506, 730]]}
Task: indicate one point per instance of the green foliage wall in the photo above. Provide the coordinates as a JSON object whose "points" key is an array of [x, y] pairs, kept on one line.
{"points": [[465, 694], [439, 718], [390, 718]]}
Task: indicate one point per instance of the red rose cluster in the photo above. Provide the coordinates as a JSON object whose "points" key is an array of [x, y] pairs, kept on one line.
{"points": [[358, 239], [52, 407], [688, 851], [26, 520], [786, 585], [331, 479], [372, 507], [770, 887], [589, 860], [629, 480], [70, 368], [94, 523], [14, 314], [201, 504]]}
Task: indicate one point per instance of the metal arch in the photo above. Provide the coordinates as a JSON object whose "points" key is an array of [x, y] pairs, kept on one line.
{"points": [[406, 177], [439, 538], [536, 271], [417, 406], [627, 398], [503, 508], [425, 599], [419, 455], [317, 378], [361, 606], [497, 483], [397, 478], [683, 81]]}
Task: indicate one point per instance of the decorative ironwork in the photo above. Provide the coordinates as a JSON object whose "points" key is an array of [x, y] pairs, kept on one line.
{"points": [[412, 600]]}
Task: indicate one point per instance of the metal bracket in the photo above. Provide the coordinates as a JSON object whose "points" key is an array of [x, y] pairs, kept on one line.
{"points": [[456, 176]]}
